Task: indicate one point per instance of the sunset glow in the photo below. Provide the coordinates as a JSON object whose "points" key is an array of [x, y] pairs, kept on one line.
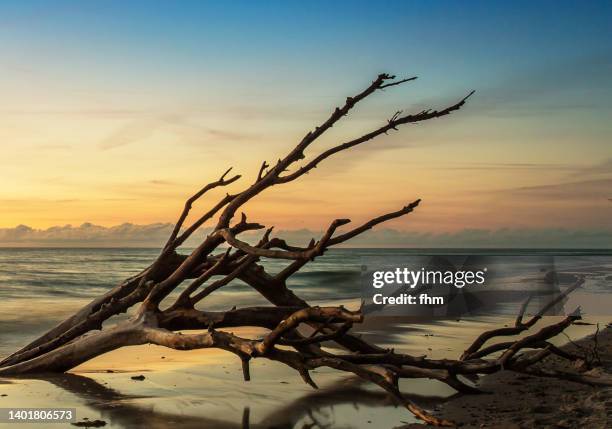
{"points": [[101, 131]]}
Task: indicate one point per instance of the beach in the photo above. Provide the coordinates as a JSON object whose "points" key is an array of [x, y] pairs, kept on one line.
{"points": [[205, 388], [516, 401]]}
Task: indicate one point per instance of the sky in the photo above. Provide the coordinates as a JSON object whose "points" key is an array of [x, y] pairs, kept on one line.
{"points": [[112, 113]]}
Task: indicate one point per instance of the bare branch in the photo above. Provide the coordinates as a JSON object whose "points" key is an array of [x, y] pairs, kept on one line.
{"points": [[399, 82], [198, 223], [341, 331], [194, 198], [392, 124], [519, 325], [242, 265], [295, 266], [181, 318], [308, 253], [262, 170], [372, 223], [184, 297], [320, 314], [272, 177]]}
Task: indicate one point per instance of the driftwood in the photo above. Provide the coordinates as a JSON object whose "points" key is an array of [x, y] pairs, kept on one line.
{"points": [[211, 267]]}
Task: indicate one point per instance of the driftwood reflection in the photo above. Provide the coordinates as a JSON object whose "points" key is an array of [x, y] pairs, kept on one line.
{"points": [[314, 410]]}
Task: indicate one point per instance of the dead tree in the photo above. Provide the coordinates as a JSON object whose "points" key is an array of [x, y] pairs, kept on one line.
{"points": [[211, 267]]}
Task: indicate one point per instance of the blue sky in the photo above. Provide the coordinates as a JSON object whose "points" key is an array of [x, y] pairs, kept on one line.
{"points": [[458, 43]]}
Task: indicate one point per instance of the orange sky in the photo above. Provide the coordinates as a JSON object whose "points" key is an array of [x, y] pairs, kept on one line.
{"points": [[109, 170]]}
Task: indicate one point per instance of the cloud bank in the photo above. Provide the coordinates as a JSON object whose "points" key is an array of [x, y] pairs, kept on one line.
{"points": [[154, 235], [86, 235]]}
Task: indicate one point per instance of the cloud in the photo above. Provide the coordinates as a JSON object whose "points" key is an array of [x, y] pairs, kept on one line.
{"points": [[578, 83], [473, 238], [154, 235], [582, 183], [161, 182], [583, 190], [550, 85], [143, 128], [603, 168], [86, 235], [131, 132], [496, 166], [53, 147]]}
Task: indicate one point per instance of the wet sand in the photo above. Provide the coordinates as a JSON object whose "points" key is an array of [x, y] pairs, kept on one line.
{"points": [[516, 401], [205, 389]]}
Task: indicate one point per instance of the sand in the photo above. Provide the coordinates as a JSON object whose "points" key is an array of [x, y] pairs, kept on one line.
{"points": [[205, 389], [521, 401]]}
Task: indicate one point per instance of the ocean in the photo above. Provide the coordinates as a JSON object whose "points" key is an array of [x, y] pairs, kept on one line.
{"points": [[39, 287]]}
